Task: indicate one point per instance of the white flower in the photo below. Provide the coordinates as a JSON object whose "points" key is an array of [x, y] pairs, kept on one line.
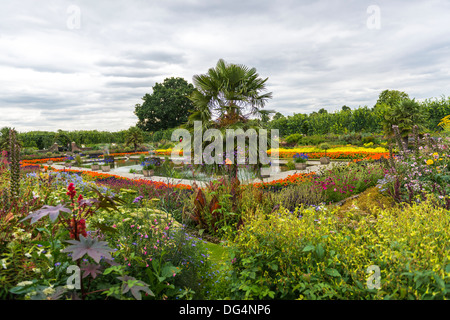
{"points": [[24, 283], [27, 255], [48, 291], [48, 255], [30, 294], [4, 263]]}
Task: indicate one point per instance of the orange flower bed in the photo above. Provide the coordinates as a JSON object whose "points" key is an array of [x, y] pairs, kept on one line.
{"points": [[101, 176], [33, 161], [295, 178], [359, 155]]}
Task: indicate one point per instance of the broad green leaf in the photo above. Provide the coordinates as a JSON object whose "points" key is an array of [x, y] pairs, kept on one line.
{"points": [[332, 272], [447, 268], [439, 281], [168, 271], [319, 251]]}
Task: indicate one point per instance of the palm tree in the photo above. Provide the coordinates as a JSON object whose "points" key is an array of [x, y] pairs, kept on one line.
{"points": [[405, 114], [134, 136], [227, 95]]}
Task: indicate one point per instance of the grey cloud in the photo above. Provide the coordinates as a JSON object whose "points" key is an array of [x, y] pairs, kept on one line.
{"points": [[37, 102], [156, 56], [130, 84], [131, 74], [315, 53]]}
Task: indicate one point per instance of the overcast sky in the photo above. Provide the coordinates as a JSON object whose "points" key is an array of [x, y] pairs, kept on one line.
{"points": [[77, 65]]}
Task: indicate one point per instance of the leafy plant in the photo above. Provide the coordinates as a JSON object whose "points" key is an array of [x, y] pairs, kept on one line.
{"points": [[73, 220], [324, 146]]}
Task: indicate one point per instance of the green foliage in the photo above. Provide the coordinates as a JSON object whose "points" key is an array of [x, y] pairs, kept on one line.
{"points": [[134, 136], [342, 181], [314, 254], [436, 109], [14, 156], [293, 196], [155, 248], [230, 92], [166, 107], [293, 139], [391, 97], [290, 164], [405, 115], [214, 209]]}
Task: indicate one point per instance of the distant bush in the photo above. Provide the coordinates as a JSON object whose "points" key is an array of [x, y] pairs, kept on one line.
{"points": [[293, 139]]}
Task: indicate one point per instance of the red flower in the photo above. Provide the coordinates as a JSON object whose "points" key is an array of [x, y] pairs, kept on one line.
{"points": [[80, 228], [71, 190]]}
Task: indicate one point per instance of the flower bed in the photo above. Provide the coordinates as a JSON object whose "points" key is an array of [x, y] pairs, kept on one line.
{"points": [[101, 177], [44, 160], [345, 153], [291, 179]]}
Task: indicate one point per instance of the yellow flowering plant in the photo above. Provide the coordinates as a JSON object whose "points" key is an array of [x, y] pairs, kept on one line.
{"points": [[313, 253]]}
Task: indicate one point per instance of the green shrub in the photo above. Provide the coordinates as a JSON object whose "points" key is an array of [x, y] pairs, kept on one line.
{"points": [[293, 139], [157, 249], [312, 140], [342, 181], [290, 164], [315, 254], [291, 197], [167, 145]]}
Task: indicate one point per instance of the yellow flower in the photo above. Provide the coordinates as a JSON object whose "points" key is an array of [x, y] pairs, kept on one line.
{"points": [[430, 162]]}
